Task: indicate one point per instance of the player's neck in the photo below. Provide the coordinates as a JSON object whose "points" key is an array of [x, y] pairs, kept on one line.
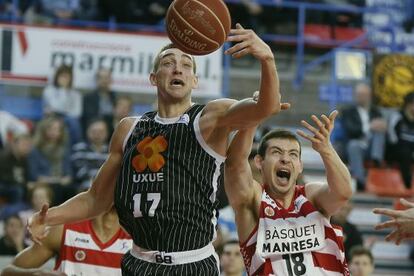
{"points": [[171, 110], [284, 199], [105, 226]]}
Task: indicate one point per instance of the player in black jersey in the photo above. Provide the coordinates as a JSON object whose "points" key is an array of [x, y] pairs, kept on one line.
{"points": [[164, 168]]}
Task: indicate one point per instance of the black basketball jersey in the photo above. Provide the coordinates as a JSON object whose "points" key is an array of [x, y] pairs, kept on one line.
{"points": [[166, 190]]}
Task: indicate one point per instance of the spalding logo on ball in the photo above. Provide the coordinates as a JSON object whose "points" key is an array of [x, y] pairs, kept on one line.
{"points": [[198, 27]]}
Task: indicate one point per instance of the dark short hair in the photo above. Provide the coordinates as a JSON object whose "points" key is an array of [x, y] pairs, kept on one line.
{"points": [[12, 216], [157, 59], [63, 69], [98, 119], [359, 250], [233, 241], [276, 134], [408, 99]]}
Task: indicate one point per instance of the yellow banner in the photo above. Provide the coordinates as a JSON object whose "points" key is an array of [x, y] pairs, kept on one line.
{"points": [[393, 78]]}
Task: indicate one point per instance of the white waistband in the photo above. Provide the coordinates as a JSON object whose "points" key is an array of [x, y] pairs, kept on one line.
{"points": [[172, 258]]}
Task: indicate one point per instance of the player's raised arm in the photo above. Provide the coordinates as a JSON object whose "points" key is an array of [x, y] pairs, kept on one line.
{"points": [[237, 114], [333, 195], [98, 199], [241, 189]]}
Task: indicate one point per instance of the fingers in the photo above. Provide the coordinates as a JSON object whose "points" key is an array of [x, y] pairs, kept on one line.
{"points": [[306, 136], [238, 30], [284, 106], [387, 224], [39, 237], [43, 213], [406, 203], [393, 235], [333, 115], [241, 53], [239, 49], [387, 212], [317, 133], [322, 127]]}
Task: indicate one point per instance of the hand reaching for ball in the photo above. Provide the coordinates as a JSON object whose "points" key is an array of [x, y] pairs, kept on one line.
{"points": [[248, 42]]}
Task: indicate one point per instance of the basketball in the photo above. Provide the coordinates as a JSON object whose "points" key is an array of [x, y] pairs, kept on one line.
{"points": [[198, 27]]}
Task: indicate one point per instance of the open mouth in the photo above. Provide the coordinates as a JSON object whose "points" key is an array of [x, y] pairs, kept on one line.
{"points": [[177, 82], [283, 175]]}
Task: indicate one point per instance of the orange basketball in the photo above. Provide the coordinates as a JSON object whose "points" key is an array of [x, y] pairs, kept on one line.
{"points": [[198, 27]]}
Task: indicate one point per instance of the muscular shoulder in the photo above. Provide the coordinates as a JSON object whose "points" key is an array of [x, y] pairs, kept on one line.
{"points": [[313, 191], [218, 106], [121, 132]]}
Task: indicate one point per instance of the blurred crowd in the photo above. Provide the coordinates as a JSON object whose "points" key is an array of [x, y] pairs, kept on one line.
{"points": [[50, 160], [250, 13]]}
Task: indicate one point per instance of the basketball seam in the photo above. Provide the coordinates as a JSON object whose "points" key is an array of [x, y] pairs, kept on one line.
{"points": [[195, 30], [218, 19]]}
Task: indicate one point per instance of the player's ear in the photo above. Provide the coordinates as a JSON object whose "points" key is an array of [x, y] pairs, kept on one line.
{"points": [[153, 79], [195, 82], [258, 160]]}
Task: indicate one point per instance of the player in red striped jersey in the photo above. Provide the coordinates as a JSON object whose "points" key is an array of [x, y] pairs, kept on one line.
{"points": [[283, 228], [90, 247]]}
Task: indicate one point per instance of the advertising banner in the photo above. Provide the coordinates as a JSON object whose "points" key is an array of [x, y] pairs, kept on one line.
{"points": [[32, 54]]}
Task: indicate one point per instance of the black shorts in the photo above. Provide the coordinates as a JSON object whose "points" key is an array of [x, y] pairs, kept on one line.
{"points": [[132, 266]]}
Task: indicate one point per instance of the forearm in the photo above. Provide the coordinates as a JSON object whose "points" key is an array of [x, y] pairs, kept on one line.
{"points": [[240, 147], [81, 207], [269, 97], [338, 176], [13, 270]]}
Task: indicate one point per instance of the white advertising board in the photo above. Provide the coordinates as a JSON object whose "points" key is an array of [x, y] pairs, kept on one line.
{"points": [[37, 51]]}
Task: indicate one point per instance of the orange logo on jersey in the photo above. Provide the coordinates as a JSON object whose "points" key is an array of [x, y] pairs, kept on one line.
{"points": [[149, 154]]}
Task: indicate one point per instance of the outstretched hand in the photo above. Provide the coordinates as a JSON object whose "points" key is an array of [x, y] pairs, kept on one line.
{"points": [[248, 42], [401, 221], [322, 133], [37, 225]]}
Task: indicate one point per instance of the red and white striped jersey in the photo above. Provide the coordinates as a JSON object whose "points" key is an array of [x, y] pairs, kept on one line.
{"points": [[295, 241], [82, 253]]}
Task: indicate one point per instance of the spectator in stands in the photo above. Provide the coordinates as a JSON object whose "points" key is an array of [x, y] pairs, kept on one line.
{"points": [[365, 129], [61, 99], [361, 262], [401, 222], [231, 260], [122, 109], [87, 157], [13, 240], [99, 103], [9, 126], [246, 13], [88, 10], [39, 194], [141, 12], [14, 168], [49, 11], [352, 236], [401, 137], [49, 161]]}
